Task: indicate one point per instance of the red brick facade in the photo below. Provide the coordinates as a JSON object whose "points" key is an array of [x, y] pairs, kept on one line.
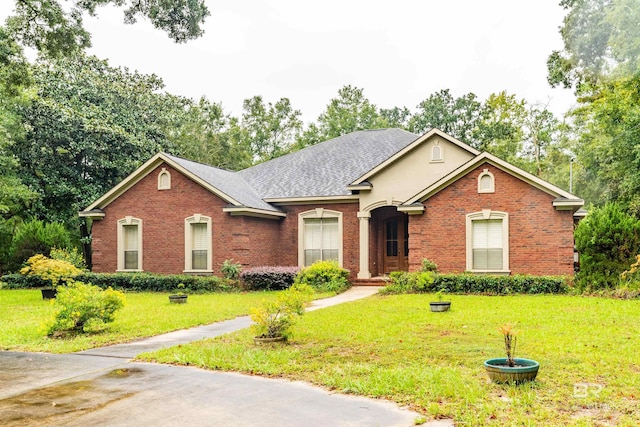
{"points": [[248, 240], [540, 237]]}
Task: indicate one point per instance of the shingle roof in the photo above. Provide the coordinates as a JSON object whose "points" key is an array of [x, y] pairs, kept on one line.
{"points": [[230, 183], [326, 169]]}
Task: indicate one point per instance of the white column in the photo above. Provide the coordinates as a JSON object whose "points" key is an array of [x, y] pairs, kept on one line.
{"points": [[364, 272]]}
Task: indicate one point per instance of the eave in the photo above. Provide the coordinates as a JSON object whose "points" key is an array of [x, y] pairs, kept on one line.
{"points": [[258, 213], [312, 200], [95, 214]]}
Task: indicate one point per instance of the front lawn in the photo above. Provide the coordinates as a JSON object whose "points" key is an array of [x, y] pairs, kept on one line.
{"points": [[23, 315], [393, 347]]}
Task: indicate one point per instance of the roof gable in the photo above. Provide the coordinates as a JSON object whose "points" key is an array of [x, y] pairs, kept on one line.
{"points": [[229, 186], [564, 199], [325, 169], [408, 149]]}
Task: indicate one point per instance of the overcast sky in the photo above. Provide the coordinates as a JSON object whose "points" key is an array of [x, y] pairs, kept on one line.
{"points": [[399, 52]]}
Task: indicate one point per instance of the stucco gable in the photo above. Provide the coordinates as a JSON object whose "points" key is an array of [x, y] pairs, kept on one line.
{"points": [[405, 151]]}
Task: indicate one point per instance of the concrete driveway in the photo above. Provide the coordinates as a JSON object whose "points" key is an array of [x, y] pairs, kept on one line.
{"points": [[102, 387]]}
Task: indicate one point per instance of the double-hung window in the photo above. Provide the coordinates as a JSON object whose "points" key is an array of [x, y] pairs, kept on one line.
{"points": [[197, 244], [488, 241], [130, 244], [320, 236]]}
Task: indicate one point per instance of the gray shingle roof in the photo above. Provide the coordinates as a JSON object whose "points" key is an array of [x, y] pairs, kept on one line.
{"points": [[230, 183], [327, 168]]}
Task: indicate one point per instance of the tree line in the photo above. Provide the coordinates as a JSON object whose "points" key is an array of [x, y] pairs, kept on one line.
{"points": [[72, 126]]}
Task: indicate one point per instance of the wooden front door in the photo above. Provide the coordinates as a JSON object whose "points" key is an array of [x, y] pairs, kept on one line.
{"points": [[396, 244]]}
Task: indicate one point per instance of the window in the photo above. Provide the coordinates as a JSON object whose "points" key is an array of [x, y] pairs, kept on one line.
{"points": [[437, 154], [164, 180], [320, 236], [486, 182], [488, 241], [129, 244], [197, 243]]}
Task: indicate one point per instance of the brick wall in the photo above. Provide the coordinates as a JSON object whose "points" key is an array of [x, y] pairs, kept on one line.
{"points": [[540, 237], [247, 240], [288, 238]]}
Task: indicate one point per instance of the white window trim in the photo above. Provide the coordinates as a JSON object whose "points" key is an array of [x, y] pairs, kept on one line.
{"points": [[164, 172], [433, 159], [128, 220], [492, 188], [197, 219], [318, 213], [487, 214]]}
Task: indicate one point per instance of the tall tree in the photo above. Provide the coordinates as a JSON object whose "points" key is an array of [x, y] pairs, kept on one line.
{"points": [[56, 30], [205, 134], [541, 127], [456, 116], [87, 128], [271, 129], [600, 40], [601, 60], [499, 128], [349, 112]]}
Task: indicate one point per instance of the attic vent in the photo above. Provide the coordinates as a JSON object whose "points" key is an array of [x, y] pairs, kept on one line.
{"points": [[164, 180], [437, 154]]}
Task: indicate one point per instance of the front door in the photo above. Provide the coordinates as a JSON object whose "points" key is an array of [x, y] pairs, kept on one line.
{"points": [[396, 244]]}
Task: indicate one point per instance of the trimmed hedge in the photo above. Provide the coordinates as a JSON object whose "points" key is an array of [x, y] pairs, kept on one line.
{"points": [[262, 278], [133, 282], [479, 284]]}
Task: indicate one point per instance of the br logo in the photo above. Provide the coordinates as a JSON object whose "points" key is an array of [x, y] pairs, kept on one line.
{"points": [[583, 390]]}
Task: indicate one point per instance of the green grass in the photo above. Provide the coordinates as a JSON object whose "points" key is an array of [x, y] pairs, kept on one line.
{"points": [[24, 314], [394, 348]]}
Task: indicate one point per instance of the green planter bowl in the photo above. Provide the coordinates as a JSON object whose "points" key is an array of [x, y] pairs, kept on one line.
{"points": [[499, 372]]}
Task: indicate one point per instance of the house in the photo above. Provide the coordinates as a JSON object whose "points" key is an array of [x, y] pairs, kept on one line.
{"points": [[376, 201]]}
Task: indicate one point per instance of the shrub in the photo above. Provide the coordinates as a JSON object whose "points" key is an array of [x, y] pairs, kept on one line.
{"points": [[72, 256], [608, 240], [428, 265], [403, 282], [138, 282], [325, 276], [261, 278], [231, 270], [37, 237], [50, 270], [274, 318], [84, 308]]}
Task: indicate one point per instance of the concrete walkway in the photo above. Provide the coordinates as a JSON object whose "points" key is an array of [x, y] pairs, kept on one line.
{"points": [[101, 387]]}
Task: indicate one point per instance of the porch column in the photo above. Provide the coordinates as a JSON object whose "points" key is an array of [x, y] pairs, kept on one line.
{"points": [[364, 272]]}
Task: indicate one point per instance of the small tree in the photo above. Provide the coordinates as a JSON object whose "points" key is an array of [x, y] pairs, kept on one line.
{"points": [[84, 308], [608, 240], [52, 270]]}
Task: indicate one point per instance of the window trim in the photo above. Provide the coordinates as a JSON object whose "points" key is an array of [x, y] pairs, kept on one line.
{"points": [[126, 221], [161, 186], [318, 213], [188, 241], [488, 214], [492, 187]]}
